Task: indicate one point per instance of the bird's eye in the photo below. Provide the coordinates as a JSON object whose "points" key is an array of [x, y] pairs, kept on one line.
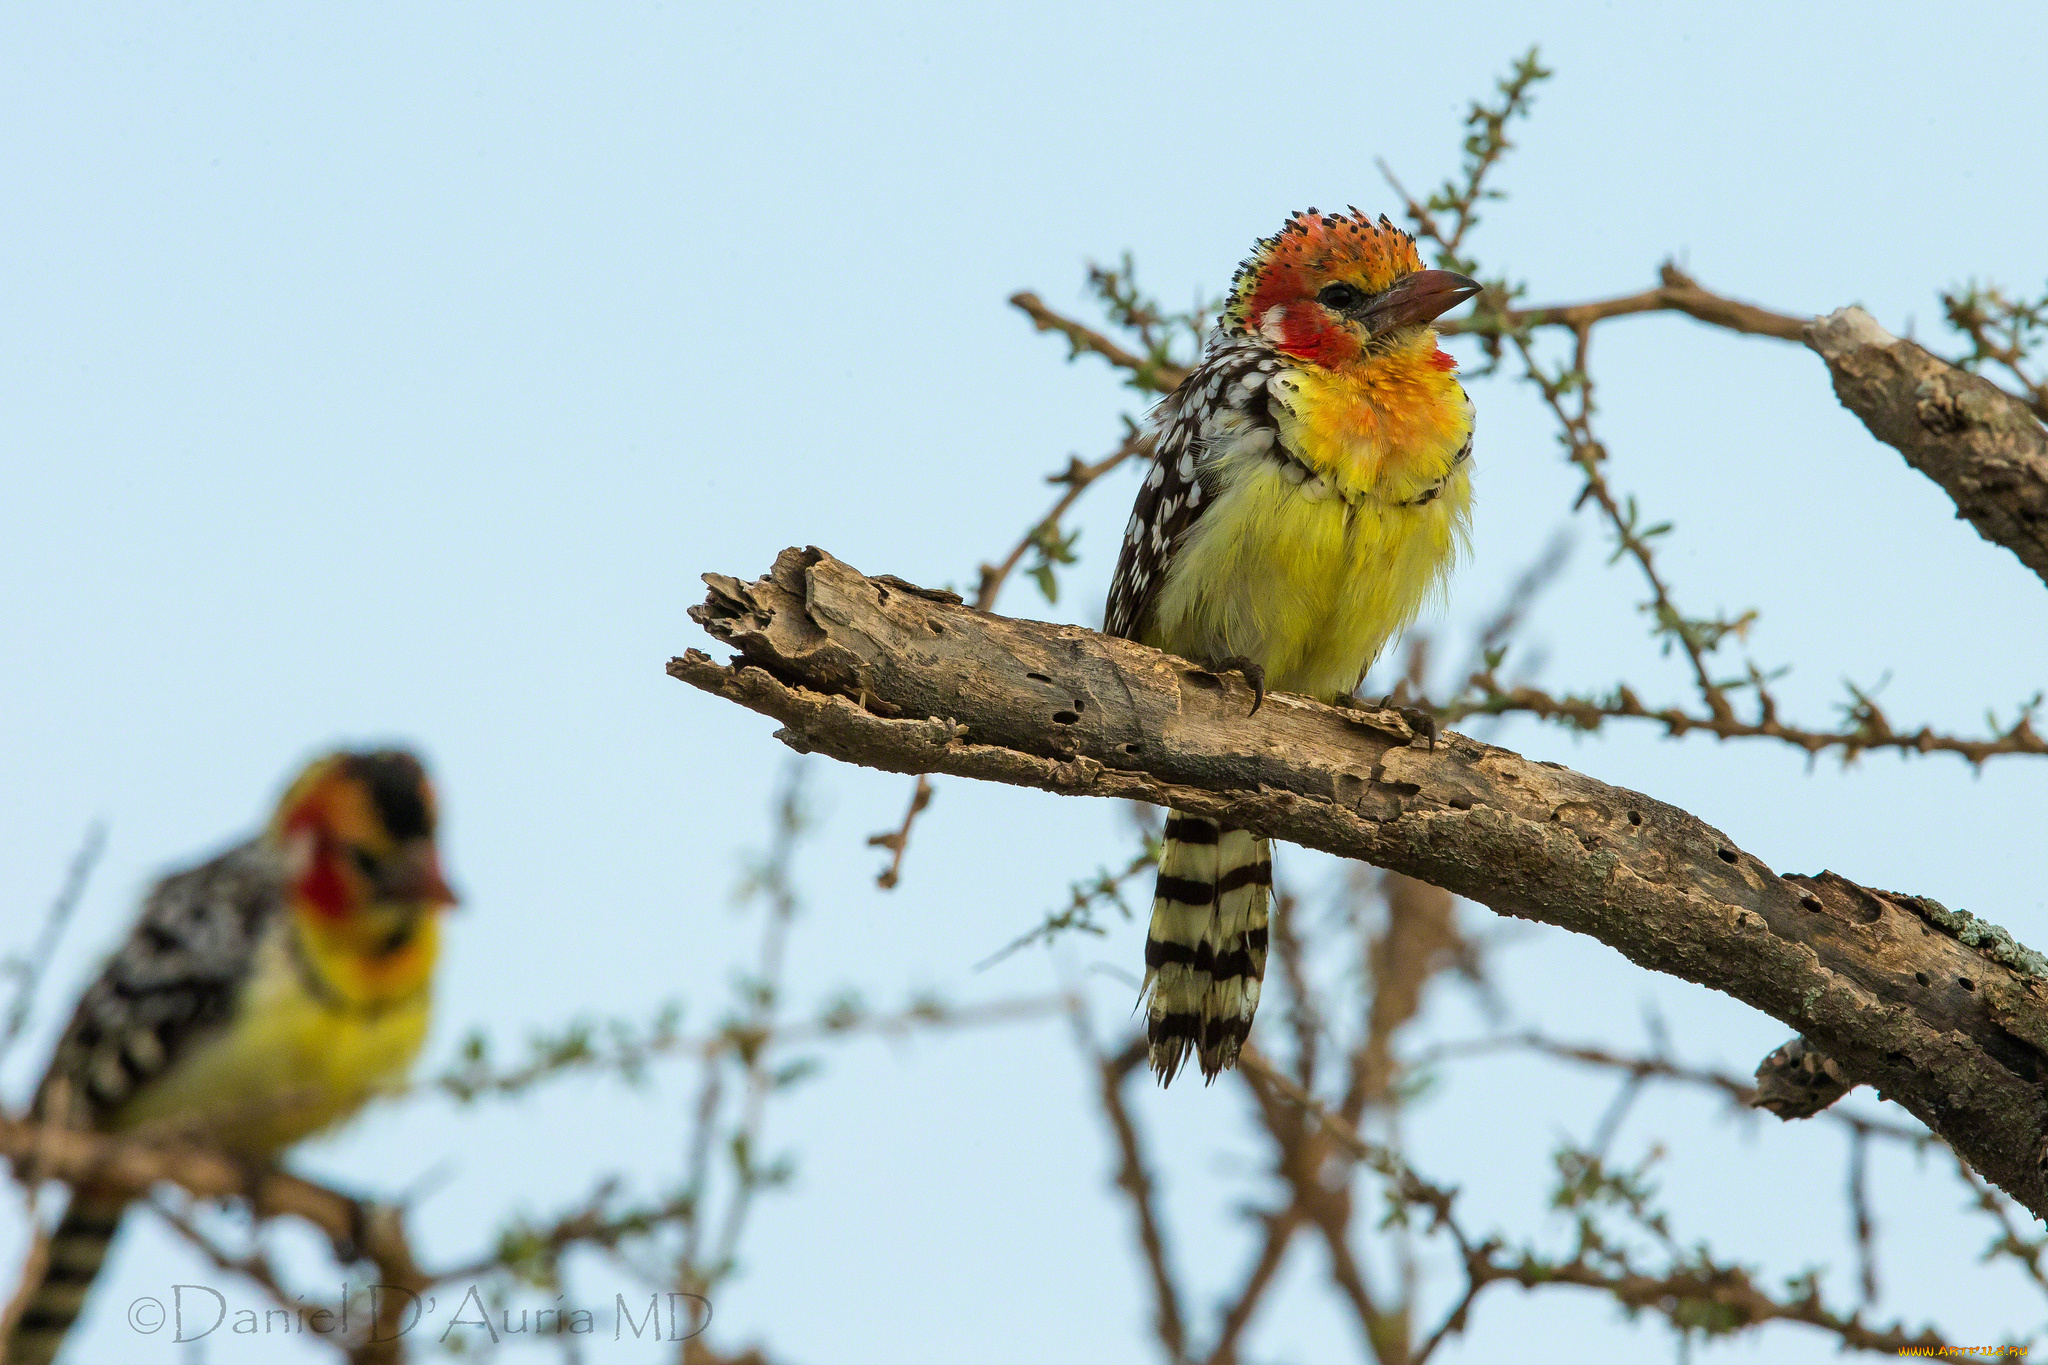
{"points": [[364, 861], [1340, 296]]}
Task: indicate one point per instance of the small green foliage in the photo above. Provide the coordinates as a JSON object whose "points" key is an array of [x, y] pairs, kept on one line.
{"points": [[843, 1011], [2004, 331], [1585, 1182], [1051, 549], [791, 1073], [1168, 342], [1085, 899], [2023, 721], [1486, 142], [1804, 1287], [525, 1253]]}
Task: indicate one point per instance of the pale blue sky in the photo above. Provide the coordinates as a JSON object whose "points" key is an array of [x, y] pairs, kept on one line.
{"points": [[393, 370]]}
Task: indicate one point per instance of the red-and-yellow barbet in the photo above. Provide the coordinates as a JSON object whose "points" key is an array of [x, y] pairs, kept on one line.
{"points": [[262, 996], [1309, 489]]}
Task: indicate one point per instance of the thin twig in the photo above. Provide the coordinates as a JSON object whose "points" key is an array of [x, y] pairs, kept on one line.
{"points": [[1136, 1182], [1086, 340], [1862, 1225], [1077, 477], [1280, 1228], [1869, 731], [1679, 293], [28, 969], [899, 839], [1739, 1091], [2030, 1251]]}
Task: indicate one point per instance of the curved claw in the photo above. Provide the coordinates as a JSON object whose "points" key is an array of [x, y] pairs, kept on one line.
{"points": [[1254, 674], [1420, 721]]}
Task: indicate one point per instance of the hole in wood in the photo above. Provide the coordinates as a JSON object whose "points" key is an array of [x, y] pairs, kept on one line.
{"points": [[1726, 855], [1635, 817], [1810, 902], [1921, 977], [1038, 677], [1966, 983], [1064, 717]]}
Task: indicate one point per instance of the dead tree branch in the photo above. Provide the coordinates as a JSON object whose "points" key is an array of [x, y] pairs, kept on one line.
{"points": [[1984, 447], [1940, 1011]]}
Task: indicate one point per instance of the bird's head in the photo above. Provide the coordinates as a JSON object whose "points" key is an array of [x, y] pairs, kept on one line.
{"points": [[356, 835], [1330, 290]]}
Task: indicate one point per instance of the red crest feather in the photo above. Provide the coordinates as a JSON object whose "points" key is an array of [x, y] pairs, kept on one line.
{"points": [[1309, 251]]}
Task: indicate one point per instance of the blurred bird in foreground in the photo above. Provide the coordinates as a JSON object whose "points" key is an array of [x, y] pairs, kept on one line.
{"points": [[1309, 488], [264, 995]]}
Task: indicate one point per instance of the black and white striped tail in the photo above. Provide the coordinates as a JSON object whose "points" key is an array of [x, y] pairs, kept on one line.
{"points": [[48, 1305], [1206, 951]]}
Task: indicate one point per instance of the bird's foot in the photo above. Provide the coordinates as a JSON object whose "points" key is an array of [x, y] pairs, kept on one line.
{"points": [[1254, 674], [255, 1173], [1420, 721]]}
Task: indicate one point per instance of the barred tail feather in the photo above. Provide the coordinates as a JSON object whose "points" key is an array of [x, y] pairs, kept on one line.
{"points": [[1206, 951], [54, 1287]]}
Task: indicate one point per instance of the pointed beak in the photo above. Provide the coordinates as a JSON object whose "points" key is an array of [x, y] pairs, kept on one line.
{"points": [[1423, 297], [416, 876]]}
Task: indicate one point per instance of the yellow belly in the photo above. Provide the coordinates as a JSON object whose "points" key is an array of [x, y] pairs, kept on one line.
{"points": [[1302, 581], [290, 1064]]}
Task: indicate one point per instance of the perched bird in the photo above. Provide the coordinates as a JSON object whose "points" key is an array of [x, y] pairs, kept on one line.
{"points": [[263, 996], [1309, 488]]}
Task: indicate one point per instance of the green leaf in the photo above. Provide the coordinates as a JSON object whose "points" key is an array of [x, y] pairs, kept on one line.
{"points": [[1042, 575]]}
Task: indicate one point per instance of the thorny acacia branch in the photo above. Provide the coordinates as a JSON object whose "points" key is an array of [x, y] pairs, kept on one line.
{"points": [[1694, 1292], [361, 1229], [581, 1049], [356, 1229], [1739, 1092], [27, 969], [1938, 1010], [1135, 1180], [1314, 1141], [1868, 728], [2002, 331], [1679, 293]]}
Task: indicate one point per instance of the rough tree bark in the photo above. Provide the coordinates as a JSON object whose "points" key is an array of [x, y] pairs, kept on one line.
{"points": [[1938, 1010], [1982, 445]]}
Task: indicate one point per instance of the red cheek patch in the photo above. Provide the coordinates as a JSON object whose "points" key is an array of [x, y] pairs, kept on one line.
{"points": [[323, 887], [1306, 334], [1442, 360]]}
